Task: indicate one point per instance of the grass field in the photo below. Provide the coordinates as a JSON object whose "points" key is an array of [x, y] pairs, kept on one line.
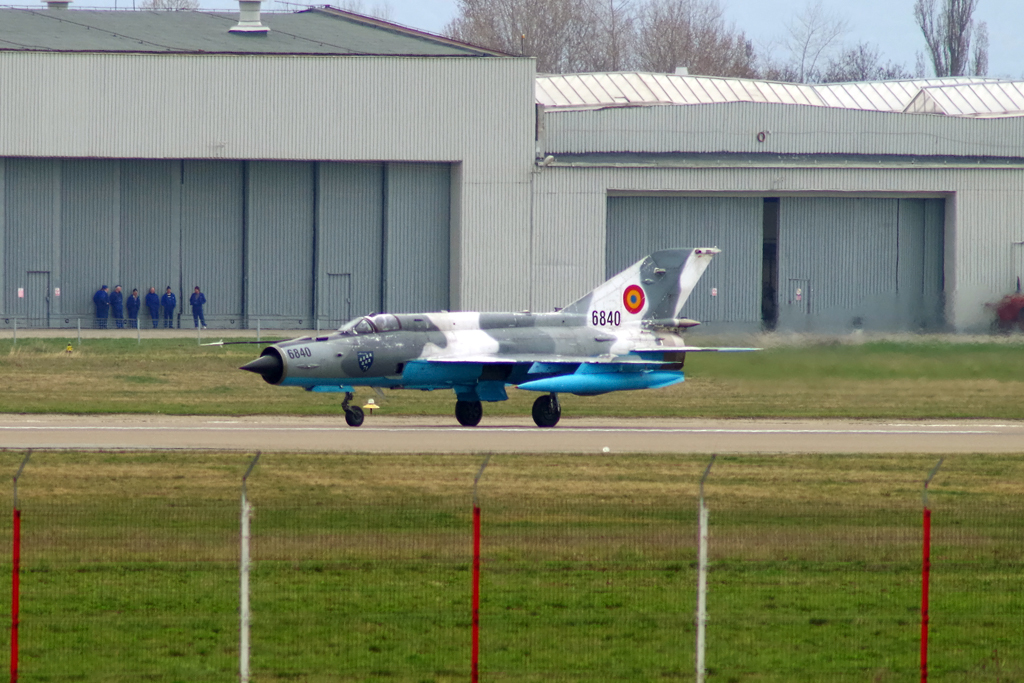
{"points": [[361, 567], [919, 379]]}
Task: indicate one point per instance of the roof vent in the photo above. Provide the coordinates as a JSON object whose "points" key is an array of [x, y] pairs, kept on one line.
{"points": [[57, 4], [682, 71], [249, 18]]}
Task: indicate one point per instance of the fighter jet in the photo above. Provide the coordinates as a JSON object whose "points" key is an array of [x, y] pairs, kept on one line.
{"points": [[624, 335]]}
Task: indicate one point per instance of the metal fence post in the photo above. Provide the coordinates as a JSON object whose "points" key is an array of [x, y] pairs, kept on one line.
{"points": [[243, 640], [702, 573]]}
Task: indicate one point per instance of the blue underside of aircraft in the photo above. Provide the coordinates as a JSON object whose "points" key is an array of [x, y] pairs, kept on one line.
{"points": [[467, 382]]}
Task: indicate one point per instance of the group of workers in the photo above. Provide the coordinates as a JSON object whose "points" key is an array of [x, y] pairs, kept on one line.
{"points": [[113, 302]]}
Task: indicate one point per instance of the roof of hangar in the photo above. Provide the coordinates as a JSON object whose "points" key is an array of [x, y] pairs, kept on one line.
{"points": [[315, 31], [960, 96]]}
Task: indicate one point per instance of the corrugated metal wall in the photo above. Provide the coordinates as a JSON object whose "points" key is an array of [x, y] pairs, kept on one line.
{"points": [[638, 226], [788, 129], [860, 263], [475, 113], [264, 240], [976, 216], [280, 243], [90, 233], [3, 240], [150, 229], [31, 216], [417, 237], [350, 241], [212, 206]]}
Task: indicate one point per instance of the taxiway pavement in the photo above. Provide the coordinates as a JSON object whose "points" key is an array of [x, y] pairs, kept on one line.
{"points": [[386, 434]]}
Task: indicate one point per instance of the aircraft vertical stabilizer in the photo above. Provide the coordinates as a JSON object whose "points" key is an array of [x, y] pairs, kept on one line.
{"points": [[655, 287]]}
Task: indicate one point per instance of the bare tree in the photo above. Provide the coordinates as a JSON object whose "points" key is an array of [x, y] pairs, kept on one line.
{"points": [[813, 33], [170, 4], [693, 34], [979, 56], [613, 49], [608, 35], [862, 62], [947, 31], [559, 33]]}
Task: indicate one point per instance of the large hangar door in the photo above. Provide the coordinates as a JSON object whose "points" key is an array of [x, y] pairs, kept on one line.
{"points": [[280, 243], [730, 290], [860, 263], [30, 218], [150, 228], [90, 243], [417, 237], [350, 241], [211, 239]]}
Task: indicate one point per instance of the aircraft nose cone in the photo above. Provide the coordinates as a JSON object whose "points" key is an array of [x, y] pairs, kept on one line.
{"points": [[269, 366]]}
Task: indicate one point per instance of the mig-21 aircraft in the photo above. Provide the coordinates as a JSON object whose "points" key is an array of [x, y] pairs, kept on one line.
{"points": [[626, 334]]}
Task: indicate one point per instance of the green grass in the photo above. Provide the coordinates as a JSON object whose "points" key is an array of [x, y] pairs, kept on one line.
{"points": [[361, 567], [872, 380]]}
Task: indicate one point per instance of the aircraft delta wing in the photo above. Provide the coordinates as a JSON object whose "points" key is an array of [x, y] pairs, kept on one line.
{"points": [[625, 334]]}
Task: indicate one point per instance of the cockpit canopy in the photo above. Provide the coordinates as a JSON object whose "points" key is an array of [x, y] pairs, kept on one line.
{"points": [[382, 322]]}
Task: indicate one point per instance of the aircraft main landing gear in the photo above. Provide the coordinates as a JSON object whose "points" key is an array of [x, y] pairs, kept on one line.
{"points": [[468, 413], [353, 414], [547, 410]]}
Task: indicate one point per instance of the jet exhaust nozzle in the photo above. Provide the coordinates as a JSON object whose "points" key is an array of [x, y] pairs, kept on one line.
{"points": [[269, 366]]}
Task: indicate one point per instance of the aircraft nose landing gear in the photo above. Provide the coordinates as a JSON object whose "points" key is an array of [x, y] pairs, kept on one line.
{"points": [[468, 413], [353, 414], [547, 410]]}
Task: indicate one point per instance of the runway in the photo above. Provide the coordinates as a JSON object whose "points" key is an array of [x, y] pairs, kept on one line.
{"points": [[385, 434]]}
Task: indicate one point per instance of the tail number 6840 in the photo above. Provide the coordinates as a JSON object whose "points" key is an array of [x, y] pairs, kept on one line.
{"points": [[605, 318]]}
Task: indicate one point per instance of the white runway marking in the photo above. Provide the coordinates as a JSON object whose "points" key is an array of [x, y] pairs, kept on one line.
{"points": [[484, 430]]}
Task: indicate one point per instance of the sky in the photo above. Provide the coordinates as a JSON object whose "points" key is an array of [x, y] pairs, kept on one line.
{"points": [[887, 24]]}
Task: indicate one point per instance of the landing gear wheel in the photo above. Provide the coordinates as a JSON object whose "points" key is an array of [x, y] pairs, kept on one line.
{"points": [[354, 416], [468, 413], [547, 411]]}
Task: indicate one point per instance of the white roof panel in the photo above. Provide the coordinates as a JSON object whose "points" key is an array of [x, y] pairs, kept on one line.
{"points": [[984, 99], [964, 96]]}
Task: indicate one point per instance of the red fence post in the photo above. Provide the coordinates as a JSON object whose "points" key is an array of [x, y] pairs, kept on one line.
{"points": [[16, 573], [926, 566], [475, 653], [475, 663], [926, 569], [15, 593]]}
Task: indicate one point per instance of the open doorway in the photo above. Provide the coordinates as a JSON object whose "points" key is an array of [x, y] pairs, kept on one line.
{"points": [[770, 264]]}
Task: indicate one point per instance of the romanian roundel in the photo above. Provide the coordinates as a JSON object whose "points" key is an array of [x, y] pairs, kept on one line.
{"points": [[633, 298]]}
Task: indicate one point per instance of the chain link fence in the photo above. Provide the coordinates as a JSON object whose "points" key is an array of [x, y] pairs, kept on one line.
{"points": [[361, 567]]}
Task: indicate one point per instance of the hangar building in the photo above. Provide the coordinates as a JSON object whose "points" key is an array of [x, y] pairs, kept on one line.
{"points": [[335, 165], [327, 167], [890, 206]]}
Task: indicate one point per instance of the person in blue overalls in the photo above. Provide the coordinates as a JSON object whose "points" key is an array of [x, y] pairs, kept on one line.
{"points": [[117, 306], [102, 301], [133, 304], [197, 300], [153, 304], [168, 301]]}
